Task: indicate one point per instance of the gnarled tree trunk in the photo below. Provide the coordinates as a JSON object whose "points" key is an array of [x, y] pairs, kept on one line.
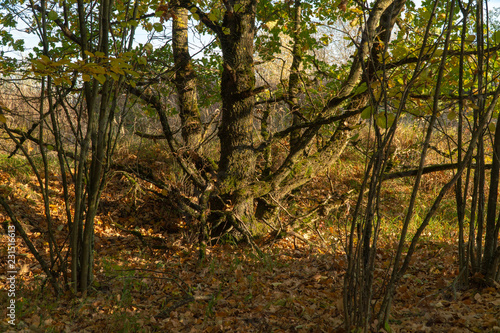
{"points": [[237, 155]]}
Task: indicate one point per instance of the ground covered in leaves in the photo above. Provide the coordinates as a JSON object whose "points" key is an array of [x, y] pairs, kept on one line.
{"points": [[148, 278]]}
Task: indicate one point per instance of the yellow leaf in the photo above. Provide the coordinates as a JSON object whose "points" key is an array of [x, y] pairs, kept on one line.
{"points": [[97, 69], [117, 70], [452, 115], [470, 38], [133, 73], [101, 78], [272, 24], [45, 60], [3, 119], [469, 84], [86, 77]]}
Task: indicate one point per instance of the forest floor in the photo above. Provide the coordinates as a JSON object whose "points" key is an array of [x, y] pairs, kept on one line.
{"points": [[148, 279]]}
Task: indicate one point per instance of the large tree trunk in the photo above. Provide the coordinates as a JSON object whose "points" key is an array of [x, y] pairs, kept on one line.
{"points": [[237, 155], [185, 80]]}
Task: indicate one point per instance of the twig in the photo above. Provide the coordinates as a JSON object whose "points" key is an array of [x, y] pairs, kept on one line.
{"points": [[166, 313]]}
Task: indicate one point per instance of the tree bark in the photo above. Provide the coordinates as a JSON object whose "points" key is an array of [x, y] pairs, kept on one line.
{"points": [[185, 80], [237, 155], [294, 81]]}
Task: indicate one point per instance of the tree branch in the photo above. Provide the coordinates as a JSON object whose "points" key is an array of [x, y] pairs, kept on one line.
{"points": [[64, 28], [154, 101], [451, 53], [427, 169]]}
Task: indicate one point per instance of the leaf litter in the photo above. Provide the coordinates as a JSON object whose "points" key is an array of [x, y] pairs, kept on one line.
{"points": [[154, 283]]}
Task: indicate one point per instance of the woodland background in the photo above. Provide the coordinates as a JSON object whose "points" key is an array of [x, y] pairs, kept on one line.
{"points": [[243, 165]]}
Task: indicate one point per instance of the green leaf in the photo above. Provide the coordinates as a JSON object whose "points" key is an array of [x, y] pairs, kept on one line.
{"points": [[52, 15], [361, 89], [366, 114], [3, 119], [385, 120], [158, 27], [212, 17], [387, 327], [496, 37], [400, 51]]}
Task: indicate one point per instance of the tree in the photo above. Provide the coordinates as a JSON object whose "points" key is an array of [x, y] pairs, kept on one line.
{"points": [[185, 80], [480, 258], [238, 182], [446, 95], [80, 68]]}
